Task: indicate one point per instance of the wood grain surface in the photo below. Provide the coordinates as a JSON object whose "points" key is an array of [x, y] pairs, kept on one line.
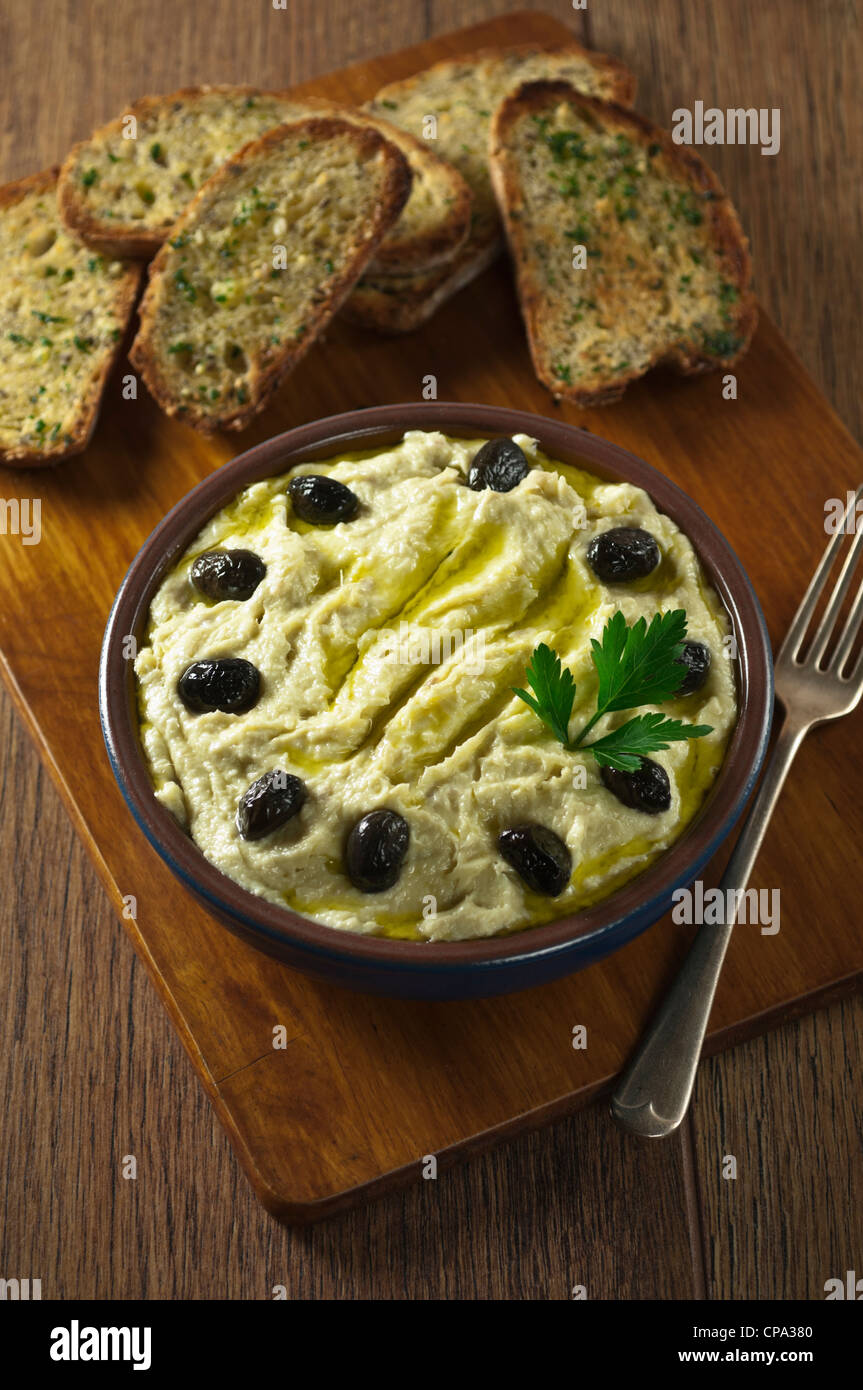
{"points": [[94, 1071]]}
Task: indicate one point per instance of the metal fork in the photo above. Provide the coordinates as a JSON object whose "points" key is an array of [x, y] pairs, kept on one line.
{"points": [[654, 1095]]}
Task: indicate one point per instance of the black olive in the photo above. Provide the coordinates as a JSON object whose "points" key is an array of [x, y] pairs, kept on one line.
{"points": [[229, 684], [376, 847], [500, 464], [321, 500], [647, 790], [696, 658], [623, 553], [268, 803], [233, 574], [539, 856]]}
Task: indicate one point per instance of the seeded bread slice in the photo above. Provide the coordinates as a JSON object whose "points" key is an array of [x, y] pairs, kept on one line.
{"points": [[667, 271], [63, 315], [259, 263], [461, 95], [123, 189]]}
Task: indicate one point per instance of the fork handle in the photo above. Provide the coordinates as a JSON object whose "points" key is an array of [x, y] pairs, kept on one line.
{"points": [[654, 1095]]}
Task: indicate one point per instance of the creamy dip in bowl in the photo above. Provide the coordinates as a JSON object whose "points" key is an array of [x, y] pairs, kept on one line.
{"points": [[385, 646]]}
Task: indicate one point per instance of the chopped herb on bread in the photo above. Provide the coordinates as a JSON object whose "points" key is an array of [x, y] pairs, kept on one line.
{"points": [[461, 95], [124, 187], [63, 316], [259, 263], [664, 273]]}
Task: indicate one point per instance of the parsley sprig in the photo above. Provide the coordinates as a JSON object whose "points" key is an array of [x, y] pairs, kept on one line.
{"points": [[636, 665]]}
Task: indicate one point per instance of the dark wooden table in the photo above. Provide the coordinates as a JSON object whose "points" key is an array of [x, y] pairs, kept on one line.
{"points": [[91, 1070]]}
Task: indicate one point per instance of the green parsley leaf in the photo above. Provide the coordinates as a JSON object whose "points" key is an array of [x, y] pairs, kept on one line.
{"points": [[637, 665], [625, 746], [554, 688]]}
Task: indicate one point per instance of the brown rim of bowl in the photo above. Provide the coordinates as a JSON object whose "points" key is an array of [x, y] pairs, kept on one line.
{"points": [[382, 426]]}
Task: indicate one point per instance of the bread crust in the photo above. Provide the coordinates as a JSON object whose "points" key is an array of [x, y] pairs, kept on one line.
{"points": [[21, 456], [687, 357], [407, 304], [623, 81], [394, 194]]}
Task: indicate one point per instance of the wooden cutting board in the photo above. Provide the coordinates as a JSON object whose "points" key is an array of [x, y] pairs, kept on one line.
{"points": [[364, 1088]]}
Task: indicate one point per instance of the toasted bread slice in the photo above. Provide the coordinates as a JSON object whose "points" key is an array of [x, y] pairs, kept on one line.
{"points": [[63, 315], [258, 264], [461, 95], [123, 189], [402, 303], [667, 271]]}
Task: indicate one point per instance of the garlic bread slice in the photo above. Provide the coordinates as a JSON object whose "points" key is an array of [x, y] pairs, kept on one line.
{"points": [[627, 251], [260, 262], [63, 315]]}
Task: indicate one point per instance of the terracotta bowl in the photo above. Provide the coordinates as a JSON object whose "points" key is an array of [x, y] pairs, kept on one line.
{"points": [[442, 970]]}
